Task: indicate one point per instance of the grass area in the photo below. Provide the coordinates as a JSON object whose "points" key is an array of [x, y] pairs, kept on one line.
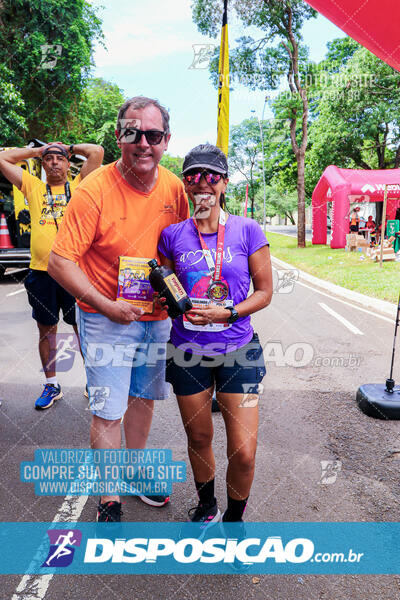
{"points": [[347, 269]]}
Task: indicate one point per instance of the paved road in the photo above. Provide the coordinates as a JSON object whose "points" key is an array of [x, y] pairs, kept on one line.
{"points": [[291, 230], [316, 361]]}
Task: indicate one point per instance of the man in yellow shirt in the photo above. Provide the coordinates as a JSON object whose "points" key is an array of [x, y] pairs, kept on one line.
{"points": [[47, 203]]}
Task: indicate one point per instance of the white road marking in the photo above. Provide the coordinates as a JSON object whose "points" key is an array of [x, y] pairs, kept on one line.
{"points": [[8, 272], [337, 299], [17, 292], [342, 320], [34, 587]]}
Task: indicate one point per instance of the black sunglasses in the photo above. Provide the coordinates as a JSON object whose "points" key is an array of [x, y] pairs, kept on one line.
{"points": [[211, 178], [133, 136]]}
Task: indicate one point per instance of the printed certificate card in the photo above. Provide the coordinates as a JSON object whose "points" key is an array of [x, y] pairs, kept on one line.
{"points": [[133, 282]]}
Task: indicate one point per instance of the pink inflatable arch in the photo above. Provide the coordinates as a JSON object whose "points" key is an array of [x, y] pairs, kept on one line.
{"points": [[345, 186]]}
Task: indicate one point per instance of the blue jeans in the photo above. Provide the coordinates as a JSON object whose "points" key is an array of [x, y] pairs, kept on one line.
{"points": [[122, 361]]}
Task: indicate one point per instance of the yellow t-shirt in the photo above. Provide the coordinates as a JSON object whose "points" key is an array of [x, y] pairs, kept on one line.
{"points": [[43, 225]]}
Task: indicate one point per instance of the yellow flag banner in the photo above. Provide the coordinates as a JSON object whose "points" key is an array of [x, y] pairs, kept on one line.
{"points": [[223, 86]]}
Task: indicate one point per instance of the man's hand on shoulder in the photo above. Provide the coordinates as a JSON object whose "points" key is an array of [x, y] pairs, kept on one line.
{"points": [[122, 312], [94, 157]]}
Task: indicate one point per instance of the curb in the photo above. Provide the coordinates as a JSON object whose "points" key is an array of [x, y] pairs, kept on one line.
{"points": [[379, 306]]}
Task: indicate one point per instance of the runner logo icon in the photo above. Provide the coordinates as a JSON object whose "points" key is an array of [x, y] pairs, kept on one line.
{"points": [[202, 55], [98, 396], [329, 471], [63, 354], [62, 542]]}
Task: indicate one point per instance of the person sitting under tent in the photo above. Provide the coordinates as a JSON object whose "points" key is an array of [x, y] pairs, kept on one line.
{"points": [[371, 226]]}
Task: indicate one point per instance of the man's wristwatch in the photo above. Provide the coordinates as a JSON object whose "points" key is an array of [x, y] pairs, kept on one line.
{"points": [[71, 149], [234, 315]]}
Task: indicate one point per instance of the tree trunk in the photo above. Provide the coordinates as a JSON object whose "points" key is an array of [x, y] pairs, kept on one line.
{"points": [[397, 159], [290, 217], [301, 201], [298, 149]]}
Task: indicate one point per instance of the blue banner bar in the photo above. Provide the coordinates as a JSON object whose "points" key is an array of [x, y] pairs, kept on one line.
{"points": [[167, 548]]}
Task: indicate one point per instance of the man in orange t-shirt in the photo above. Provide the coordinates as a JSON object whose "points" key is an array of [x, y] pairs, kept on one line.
{"points": [[120, 210], [354, 220]]}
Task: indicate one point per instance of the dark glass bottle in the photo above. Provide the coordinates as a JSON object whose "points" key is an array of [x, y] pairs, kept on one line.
{"points": [[165, 282]]}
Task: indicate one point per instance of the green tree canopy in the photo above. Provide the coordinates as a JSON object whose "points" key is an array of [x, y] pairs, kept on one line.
{"points": [[235, 197], [47, 46], [12, 123], [95, 117], [358, 117], [173, 163], [261, 61], [339, 53], [353, 122], [280, 202], [245, 155]]}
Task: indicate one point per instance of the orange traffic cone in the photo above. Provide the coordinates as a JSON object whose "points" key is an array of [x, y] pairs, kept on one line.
{"points": [[5, 240]]}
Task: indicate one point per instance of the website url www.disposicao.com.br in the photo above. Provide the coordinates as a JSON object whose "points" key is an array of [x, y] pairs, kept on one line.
{"points": [[214, 550]]}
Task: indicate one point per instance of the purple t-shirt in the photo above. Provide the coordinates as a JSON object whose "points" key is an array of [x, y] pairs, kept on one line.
{"points": [[181, 244]]}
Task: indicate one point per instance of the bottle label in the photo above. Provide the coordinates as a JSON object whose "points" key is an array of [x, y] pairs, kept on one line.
{"points": [[175, 287]]}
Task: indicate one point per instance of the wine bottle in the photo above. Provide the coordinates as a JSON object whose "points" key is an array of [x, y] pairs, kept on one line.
{"points": [[164, 281]]}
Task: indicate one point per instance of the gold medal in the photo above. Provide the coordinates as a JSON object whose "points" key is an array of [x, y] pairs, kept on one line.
{"points": [[218, 291]]}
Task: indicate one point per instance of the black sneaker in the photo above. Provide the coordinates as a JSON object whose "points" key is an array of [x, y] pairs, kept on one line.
{"points": [[109, 512], [201, 519], [154, 500], [205, 514]]}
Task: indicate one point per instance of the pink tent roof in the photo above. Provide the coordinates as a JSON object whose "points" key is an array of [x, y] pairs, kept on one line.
{"points": [[371, 183], [373, 23]]}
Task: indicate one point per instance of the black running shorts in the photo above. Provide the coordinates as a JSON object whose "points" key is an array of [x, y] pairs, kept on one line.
{"points": [[237, 372]]}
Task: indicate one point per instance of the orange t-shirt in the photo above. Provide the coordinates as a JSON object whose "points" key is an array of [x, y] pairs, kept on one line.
{"points": [[354, 219], [108, 218]]}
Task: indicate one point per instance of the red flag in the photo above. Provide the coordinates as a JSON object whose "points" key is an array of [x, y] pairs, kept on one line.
{"points": [[373, 23]]}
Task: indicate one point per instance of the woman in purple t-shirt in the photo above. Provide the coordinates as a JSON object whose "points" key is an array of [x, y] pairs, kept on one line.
{"points": [[215, 255]]}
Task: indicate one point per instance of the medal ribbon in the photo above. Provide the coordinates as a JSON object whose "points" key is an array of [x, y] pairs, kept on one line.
{"points": [[214, 267]]}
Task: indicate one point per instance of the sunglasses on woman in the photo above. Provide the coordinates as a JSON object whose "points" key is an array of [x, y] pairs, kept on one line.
{"points": [[211, 178], [133, 136]]}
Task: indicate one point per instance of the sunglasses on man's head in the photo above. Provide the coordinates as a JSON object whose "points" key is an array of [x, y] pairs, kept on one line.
{"points": [[133, 136], [211, 178]]}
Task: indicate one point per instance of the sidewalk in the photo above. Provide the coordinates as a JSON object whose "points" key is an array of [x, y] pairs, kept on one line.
{"points": [[379, 306]]}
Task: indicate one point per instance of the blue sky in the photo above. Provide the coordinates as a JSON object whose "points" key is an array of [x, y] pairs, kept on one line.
{"points": [[149, 52]]}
